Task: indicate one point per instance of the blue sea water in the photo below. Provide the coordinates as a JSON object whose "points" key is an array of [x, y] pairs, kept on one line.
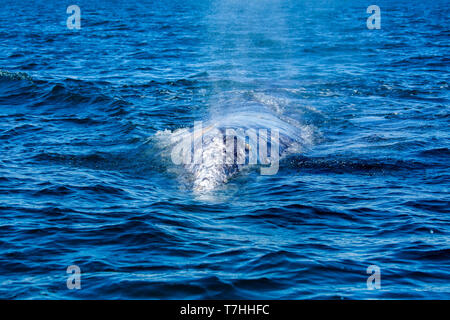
{"points": [[83, 181]]}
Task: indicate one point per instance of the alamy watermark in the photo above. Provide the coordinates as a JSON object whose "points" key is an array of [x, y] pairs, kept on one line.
{"points": [[374, 21], [74, 280], [74, 20], [374, 280]]}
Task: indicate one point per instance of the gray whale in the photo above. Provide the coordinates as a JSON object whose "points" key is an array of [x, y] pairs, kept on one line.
{"points": [[214, 151]]}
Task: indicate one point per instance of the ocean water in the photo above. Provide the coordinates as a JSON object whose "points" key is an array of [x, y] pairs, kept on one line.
{"points": [[85, 178]]}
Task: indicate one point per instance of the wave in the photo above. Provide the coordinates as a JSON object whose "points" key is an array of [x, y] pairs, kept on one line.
{"points": [[8, 76], [354, 165]]}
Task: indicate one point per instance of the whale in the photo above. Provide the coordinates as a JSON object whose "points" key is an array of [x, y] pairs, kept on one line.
{"points": [[214, 151]]}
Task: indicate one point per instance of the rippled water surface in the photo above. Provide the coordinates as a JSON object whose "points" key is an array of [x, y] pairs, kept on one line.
{"points": [[84, 181]]}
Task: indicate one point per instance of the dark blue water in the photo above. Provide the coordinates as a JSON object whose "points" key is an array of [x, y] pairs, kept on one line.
{"points": [[83, 182]]}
